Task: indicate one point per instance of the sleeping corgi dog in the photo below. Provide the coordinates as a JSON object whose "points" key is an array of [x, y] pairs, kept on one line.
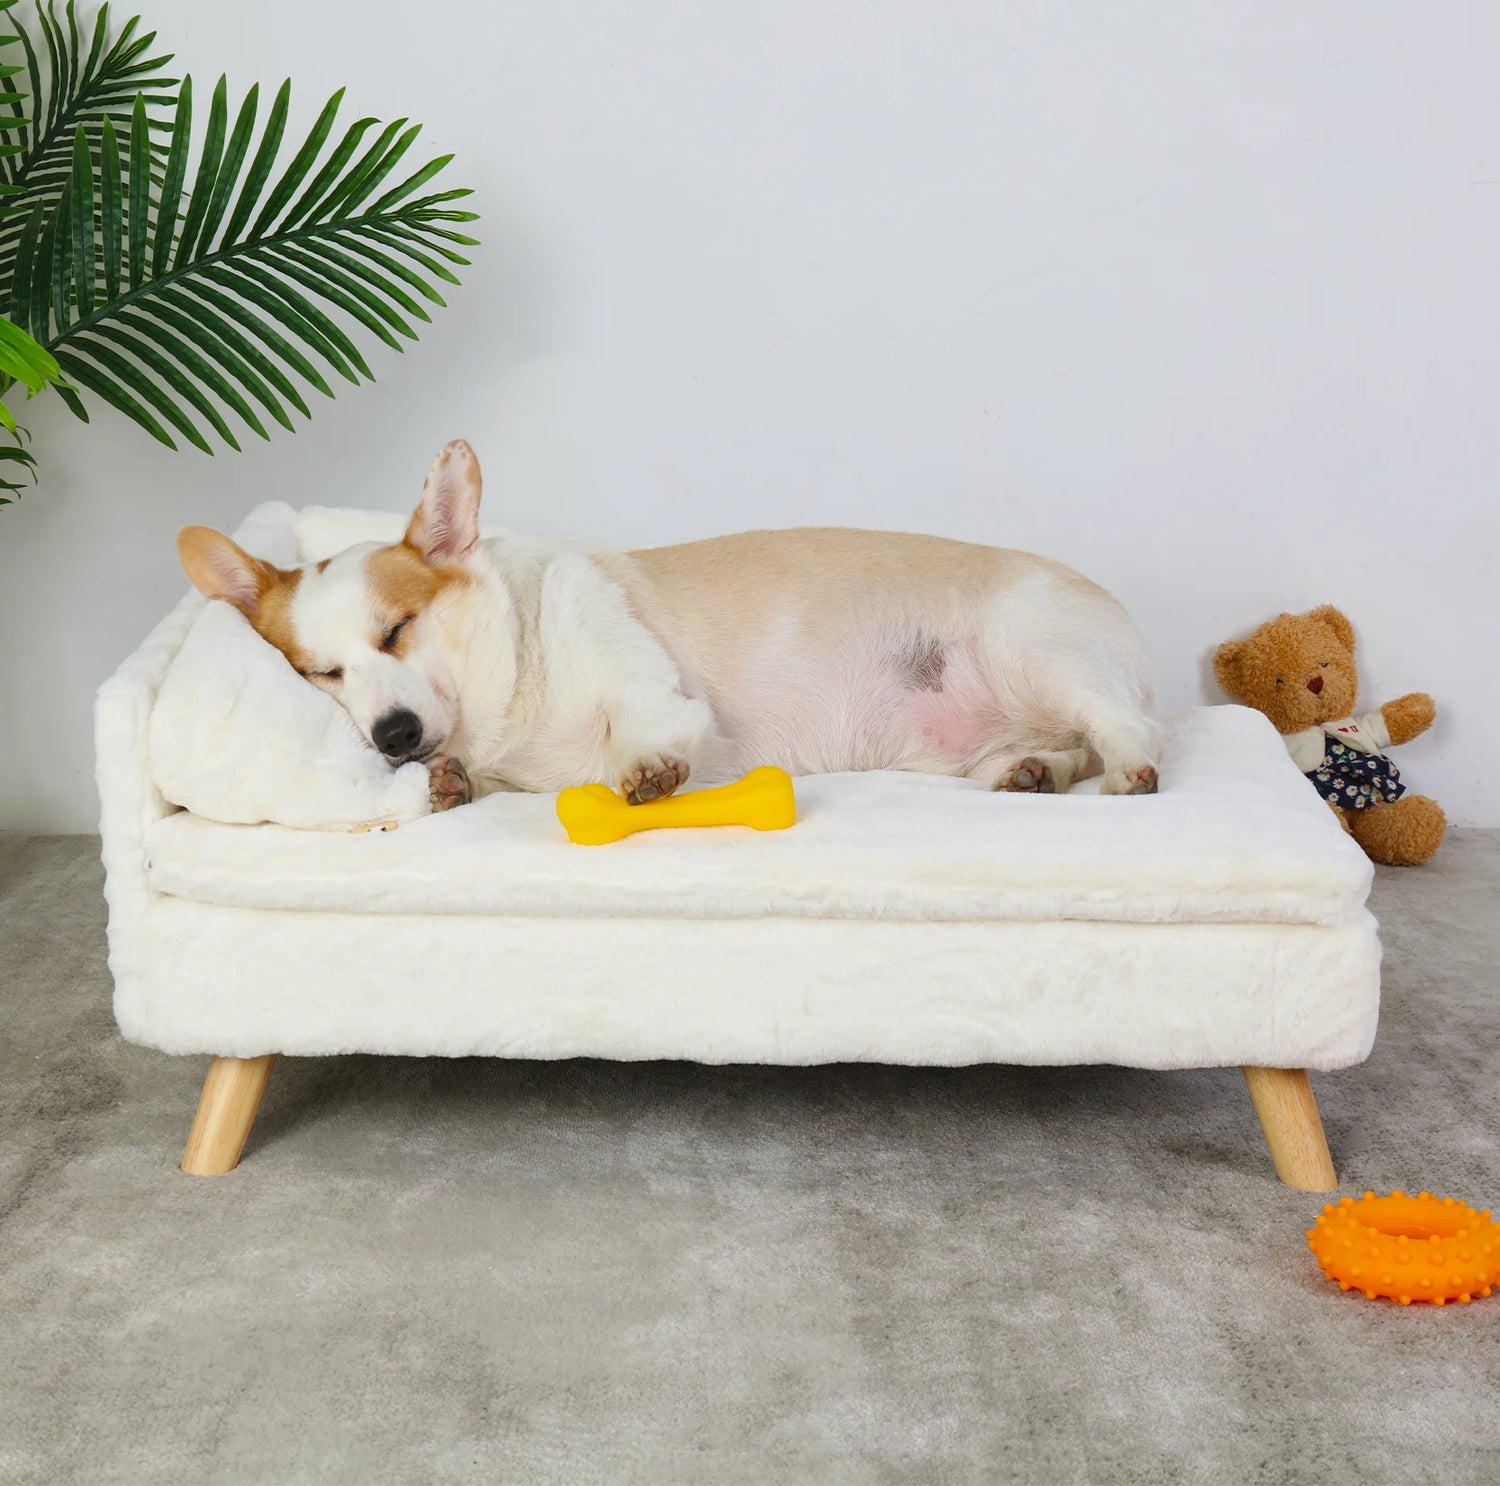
{"points": [[508, 663]]}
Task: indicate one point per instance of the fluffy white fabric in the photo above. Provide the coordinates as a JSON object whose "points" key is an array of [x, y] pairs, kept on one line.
{"points": [[238, 736], [1236, 836], [905, 918], [246, 981]]}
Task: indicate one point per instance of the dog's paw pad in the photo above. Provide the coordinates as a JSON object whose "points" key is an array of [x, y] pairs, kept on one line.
{"points": [[653, 778], [1138, 779], [1032, 776], [448, 783]]}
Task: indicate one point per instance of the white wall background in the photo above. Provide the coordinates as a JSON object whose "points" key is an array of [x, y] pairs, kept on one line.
{"points": [[1199, 297]]}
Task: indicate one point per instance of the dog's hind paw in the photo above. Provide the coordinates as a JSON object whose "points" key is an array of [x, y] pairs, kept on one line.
{"points": [[653, 778], [1137, 779], [1032, 776], [448, 783]]}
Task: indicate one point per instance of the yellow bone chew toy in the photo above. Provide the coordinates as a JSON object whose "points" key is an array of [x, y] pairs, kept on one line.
{"points": [[593, 814]]}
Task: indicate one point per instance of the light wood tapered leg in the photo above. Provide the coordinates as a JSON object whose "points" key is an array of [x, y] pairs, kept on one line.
{"points": [[1283, 1099], [226, 1110]]}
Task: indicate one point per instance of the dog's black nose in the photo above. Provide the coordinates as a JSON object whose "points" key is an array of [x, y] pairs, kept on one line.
{"points": [[398, 734]]}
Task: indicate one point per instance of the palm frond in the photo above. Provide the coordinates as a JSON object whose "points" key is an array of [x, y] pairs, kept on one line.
{"points": [[195, 284], [72, 82], [188, 303], [15, 461], [23, 361]]}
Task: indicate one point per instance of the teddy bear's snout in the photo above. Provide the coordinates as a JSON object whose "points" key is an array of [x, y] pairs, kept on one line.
{"points": [[1315, 685]]}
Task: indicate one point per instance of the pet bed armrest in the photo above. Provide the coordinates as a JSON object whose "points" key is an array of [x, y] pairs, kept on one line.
{"points": [[129, 801]]}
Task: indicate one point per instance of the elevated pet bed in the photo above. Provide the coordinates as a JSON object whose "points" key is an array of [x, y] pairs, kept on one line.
{"points": [[904, 919]]}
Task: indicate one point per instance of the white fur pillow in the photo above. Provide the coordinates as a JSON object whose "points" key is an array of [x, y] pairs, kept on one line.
{"points": [[238, 736]]}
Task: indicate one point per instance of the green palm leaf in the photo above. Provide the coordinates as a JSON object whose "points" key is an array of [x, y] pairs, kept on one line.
{"points": [[197, 282], [210, 319], [72, 88], [14, 460], [23, 361]]}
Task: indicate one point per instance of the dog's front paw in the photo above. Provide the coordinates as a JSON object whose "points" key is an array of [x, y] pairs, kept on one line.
{"points": [[653, 777], [447, 783]]}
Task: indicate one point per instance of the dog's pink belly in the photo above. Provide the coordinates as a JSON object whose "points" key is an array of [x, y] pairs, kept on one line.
{"points": [[952, 728], [859, 701], [889, 728]]}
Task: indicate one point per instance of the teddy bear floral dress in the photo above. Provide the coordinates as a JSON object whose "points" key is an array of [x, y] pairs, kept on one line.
{"points": [[1350, 773], [1353, 780]]}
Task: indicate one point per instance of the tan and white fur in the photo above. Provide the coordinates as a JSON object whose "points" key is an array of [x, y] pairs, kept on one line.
{"points": [[819, 650]]}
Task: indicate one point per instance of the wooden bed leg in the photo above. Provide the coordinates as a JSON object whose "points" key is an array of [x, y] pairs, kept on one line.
{"points": [[226, 1110], [1283, 1099]]}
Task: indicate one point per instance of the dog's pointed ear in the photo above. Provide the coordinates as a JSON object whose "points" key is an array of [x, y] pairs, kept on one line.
{"points": [[1337, 621], [445, 525], [222, 569], [1227, 665]]}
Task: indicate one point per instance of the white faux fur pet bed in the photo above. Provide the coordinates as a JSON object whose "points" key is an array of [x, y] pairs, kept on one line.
{"points": [[905, 918]]}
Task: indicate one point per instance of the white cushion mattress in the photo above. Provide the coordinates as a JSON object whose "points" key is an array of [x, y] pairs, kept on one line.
{"points": [[1235, 836]]}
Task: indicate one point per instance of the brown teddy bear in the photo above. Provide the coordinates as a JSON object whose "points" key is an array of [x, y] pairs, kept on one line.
{"points": [[1299, 670]]}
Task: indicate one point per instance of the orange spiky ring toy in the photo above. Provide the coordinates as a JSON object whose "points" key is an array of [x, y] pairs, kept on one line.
{"points": [[1421, 1248]]}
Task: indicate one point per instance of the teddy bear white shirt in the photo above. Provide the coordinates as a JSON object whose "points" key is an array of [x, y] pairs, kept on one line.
{"points": [[1367, 734]]}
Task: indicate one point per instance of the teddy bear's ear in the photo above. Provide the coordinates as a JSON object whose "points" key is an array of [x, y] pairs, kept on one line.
{"points": [[1337, 622], [1227, 665]]}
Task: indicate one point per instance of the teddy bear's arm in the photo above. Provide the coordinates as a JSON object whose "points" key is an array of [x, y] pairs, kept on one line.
{"points": [[1408, 716]]}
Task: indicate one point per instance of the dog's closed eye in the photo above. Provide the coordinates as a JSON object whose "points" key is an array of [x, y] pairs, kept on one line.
{"points": [[393, 634], [336, 674]]}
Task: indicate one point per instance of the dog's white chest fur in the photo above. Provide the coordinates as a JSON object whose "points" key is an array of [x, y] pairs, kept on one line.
{"points": [[558, 682]]}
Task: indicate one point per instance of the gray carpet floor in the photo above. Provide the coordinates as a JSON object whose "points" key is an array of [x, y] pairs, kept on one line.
{"points": [[431, 1271]]}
